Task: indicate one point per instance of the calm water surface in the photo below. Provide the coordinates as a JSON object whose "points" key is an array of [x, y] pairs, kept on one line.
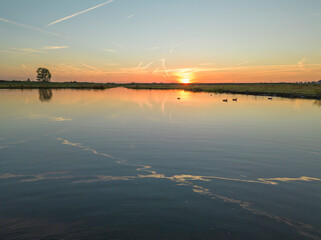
{"points": [[127, 164]]}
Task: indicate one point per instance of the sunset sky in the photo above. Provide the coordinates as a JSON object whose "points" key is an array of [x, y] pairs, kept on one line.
{"points": [[161, 41]]}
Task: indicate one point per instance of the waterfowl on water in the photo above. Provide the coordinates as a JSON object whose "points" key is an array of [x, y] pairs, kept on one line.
{"points": [[224, 100], [270, 98], [235, 99]]}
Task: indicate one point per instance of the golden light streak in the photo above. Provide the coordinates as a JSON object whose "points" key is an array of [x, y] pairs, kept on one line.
{"points": [[185, 76]]}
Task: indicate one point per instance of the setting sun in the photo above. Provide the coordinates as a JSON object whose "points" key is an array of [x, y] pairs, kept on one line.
{"points": [[185, 76], [185, 81]]}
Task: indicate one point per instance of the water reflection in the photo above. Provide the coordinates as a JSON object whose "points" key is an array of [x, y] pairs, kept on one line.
{"points": [[222, 155], [181, 179], [302, 228], [45, 95], [317, 103]]}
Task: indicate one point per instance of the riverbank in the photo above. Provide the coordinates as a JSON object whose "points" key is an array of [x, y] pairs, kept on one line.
{"points": [[288, 90], [54, 85]]}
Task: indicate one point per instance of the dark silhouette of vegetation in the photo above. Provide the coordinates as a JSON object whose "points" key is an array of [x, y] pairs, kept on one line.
{"points": [[45, 95], [288, 90], [317, 103], [318, 90], [43, 75]]}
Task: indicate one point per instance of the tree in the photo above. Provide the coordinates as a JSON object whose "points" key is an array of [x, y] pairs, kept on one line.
{"points": [[43, 75], [45, 95]]}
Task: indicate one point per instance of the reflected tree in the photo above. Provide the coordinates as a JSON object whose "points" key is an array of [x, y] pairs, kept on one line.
{"points": [[45, 95], [317, 103]]}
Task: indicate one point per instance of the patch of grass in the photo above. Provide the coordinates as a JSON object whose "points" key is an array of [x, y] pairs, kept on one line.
{"points": [[318, 91], [54, 85], [290, 90]]}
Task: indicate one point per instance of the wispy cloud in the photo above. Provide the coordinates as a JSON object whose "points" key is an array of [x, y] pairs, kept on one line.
{"points": [[25, 50], [31, 51], [243, 63], [112, 64], [119, 45], [130, 16], [148, 65], [60, 119], [206, 64], [54, 47], [151, 48], [29, 27], [302, 64], [91, 67], [110, 50], [78, 13]]}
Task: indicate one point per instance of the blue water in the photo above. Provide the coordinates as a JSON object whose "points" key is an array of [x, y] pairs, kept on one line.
{"points": [[128, 164]]}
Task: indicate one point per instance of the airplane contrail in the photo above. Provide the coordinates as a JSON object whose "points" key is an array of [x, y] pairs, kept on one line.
{"points": [[164, 66], [148, 65], [29, 27], [78, 13]]}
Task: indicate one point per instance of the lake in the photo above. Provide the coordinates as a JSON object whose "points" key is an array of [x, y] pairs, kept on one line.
{"points": [[143, 164]]}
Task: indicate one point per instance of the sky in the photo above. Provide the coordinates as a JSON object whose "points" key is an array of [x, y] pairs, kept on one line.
{"points": [[162, 41]]}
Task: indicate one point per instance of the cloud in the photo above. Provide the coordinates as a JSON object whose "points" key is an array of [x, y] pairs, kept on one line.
{"points": [[110, 50], [119, 44], [54, 47], [60, 119], [79, 13], [25, 50], [130, 16], [30, 51], [206, 64], [243, 63], [302, 65], [91, 67], [151, 48], [148, 65], [29, 27]]}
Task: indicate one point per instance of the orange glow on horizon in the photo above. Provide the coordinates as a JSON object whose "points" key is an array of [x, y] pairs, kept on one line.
{"points": [[185, 76]]}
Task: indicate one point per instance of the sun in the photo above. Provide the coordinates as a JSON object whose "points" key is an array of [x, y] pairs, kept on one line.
{"points": [[185, 81], [185, 76]]}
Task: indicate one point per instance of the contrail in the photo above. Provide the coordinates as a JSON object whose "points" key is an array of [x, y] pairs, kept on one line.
{"points": [[148, 65], [78, 13], [163, 63], [29, 27]]}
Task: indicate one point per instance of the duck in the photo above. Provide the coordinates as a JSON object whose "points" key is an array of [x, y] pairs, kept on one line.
{"points": [[224, 100], [235, 99], [270, 98]]}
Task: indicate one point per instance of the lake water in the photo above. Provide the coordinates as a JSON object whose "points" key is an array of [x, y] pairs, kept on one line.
{"points": [[141, 164]]}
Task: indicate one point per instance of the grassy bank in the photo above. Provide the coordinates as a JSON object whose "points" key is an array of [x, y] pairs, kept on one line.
{"points": [[309, 91], [289, 90], [54, 85]]}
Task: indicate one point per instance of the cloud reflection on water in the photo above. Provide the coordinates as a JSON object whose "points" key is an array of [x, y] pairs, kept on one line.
{"points": [[302, 228]]}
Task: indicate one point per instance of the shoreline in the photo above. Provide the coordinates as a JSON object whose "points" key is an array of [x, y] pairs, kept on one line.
{"points": [[285, 90]]}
